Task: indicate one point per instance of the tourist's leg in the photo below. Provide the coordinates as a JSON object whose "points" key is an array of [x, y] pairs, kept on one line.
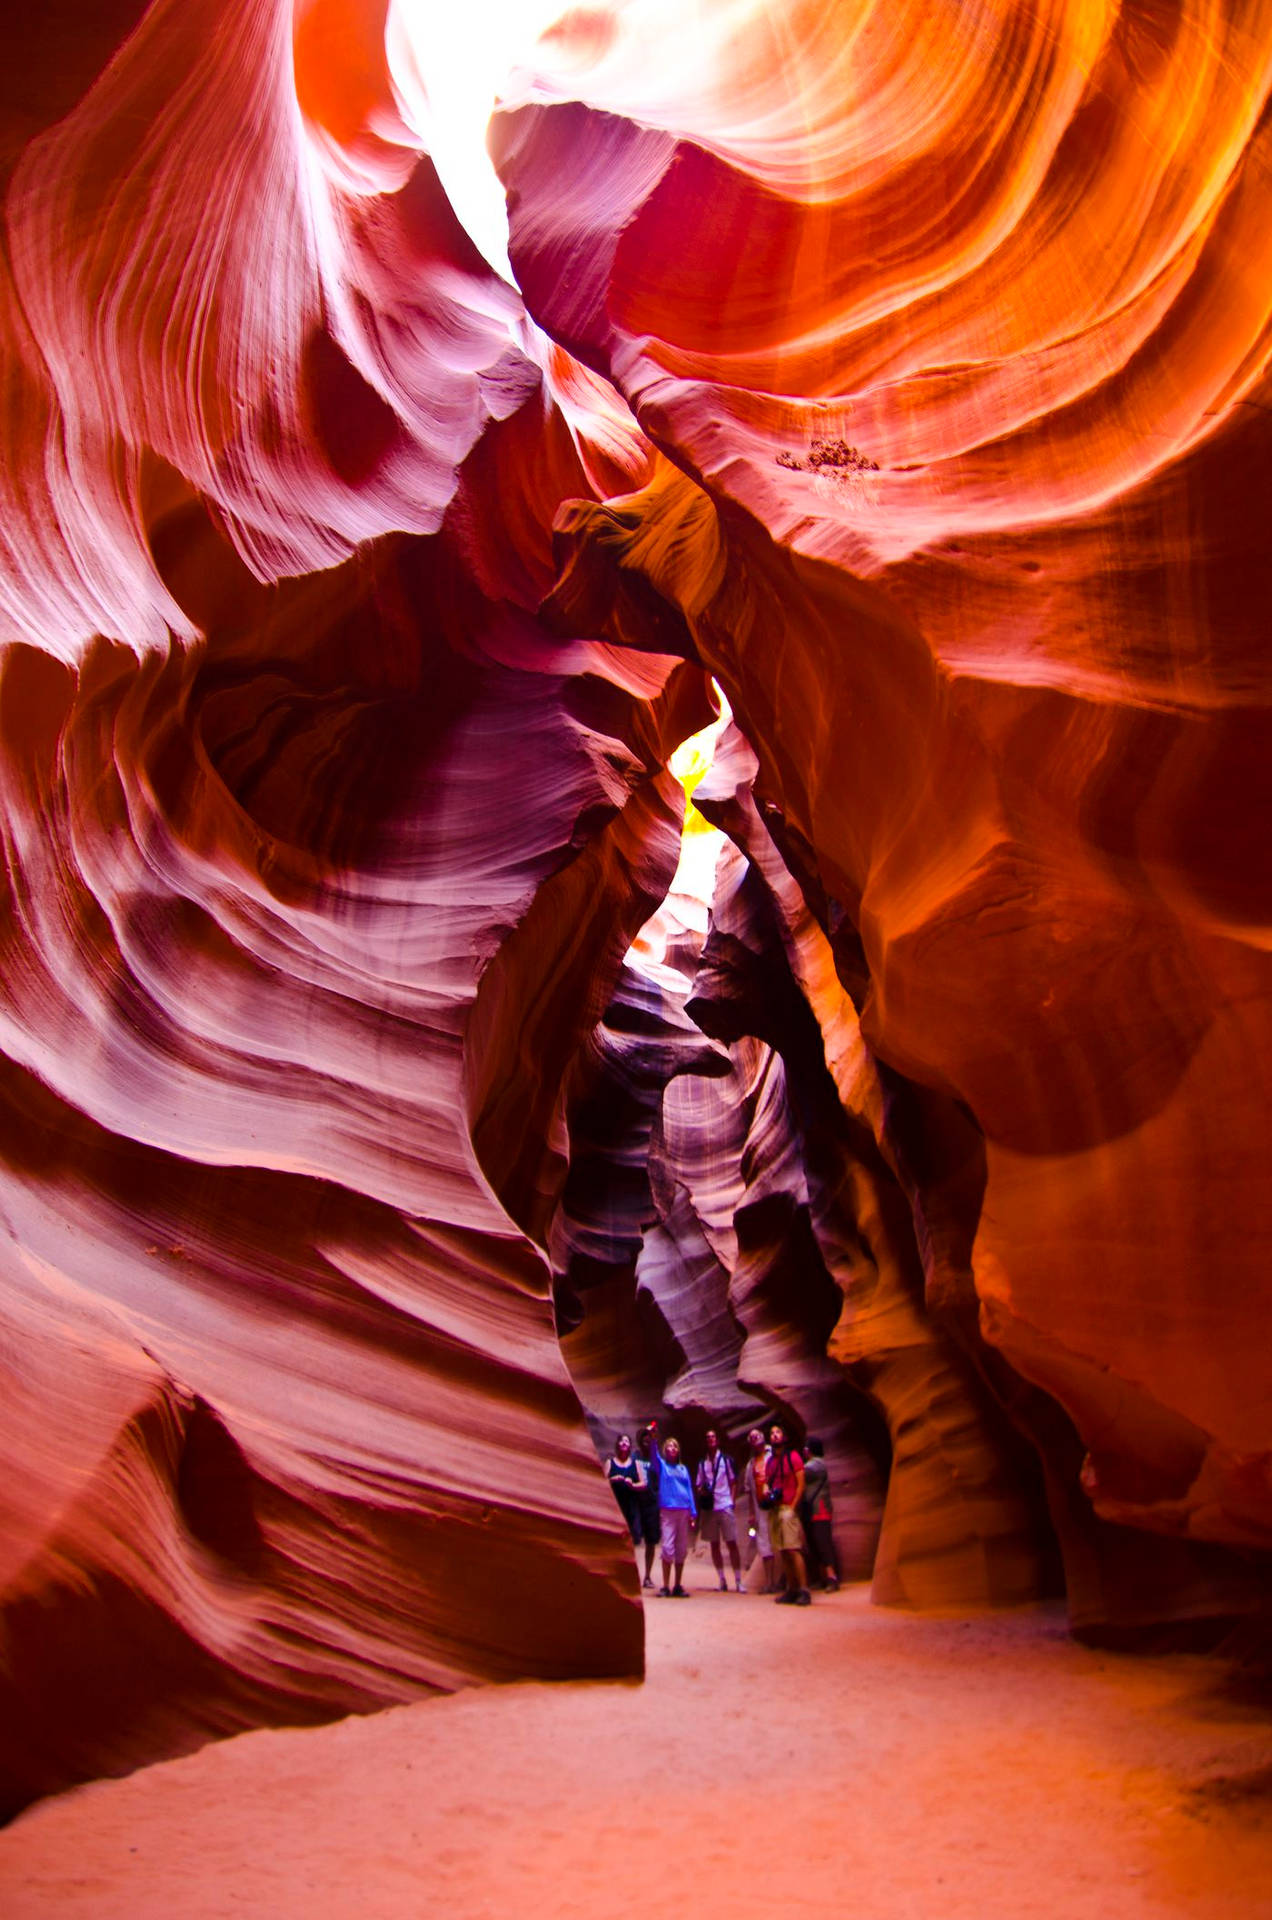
{"points": [[681, 1550]]}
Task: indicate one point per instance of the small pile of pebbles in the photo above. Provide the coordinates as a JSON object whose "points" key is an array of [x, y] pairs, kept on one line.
{"points": [[829, 457]]}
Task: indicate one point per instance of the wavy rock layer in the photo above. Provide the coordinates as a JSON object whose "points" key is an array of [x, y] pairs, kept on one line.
{"points": [[1022, 744], [280, 1354], [284, 892]]}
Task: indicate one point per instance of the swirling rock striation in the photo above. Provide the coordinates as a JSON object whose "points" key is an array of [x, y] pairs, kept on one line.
{"points": [[261, 1282], [997, 645], [284, 892]]}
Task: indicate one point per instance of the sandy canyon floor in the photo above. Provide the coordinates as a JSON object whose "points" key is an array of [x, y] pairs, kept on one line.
{"points": [[863, 1761]]}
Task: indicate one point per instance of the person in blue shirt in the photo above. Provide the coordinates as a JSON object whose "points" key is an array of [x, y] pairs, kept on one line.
{"points": [[677, 1511]]}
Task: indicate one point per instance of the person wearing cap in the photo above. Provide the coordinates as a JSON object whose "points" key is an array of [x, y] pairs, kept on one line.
{"points": [[677, 1511], [752, 1512], [784, 1470], [650, 1524], [714, 1483]]}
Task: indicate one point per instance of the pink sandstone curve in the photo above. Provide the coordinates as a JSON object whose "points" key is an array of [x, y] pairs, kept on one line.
{"points": [[289, 1415], [293, 854]]}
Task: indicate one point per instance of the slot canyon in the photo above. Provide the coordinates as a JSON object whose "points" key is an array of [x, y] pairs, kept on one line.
{"points": [[636, 780]]}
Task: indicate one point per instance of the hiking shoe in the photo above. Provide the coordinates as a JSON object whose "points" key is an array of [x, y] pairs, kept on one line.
{"points": [[802, 1599]]}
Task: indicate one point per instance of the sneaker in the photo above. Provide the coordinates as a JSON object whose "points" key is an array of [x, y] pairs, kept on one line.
{"points": [[678, 1593], [830, 1586], [648, 1583], [664, 1593], [802, 1599], [724, 1585], [787, 1597], [741, 1588]]}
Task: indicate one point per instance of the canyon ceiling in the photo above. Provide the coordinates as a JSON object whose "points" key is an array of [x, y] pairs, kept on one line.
{"points": [[376, 1112]]}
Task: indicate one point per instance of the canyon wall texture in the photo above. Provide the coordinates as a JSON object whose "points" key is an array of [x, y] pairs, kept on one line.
{"points": [[905, 370]]}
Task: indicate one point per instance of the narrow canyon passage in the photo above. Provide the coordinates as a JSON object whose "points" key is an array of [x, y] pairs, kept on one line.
{"points": [[846, 1759], [419, 422]]}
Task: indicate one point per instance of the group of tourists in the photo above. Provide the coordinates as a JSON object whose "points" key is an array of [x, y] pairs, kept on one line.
{"points": [[782, 1495]]}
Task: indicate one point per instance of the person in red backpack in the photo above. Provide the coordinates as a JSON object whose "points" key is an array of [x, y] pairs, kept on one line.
{"points": [[783, 1477]]}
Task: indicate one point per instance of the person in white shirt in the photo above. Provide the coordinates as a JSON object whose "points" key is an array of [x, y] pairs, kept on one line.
{"points": [[717, 1520], [753, 1513]]}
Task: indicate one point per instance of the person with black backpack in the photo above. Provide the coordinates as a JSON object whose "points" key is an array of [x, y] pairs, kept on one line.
{"points": [[817, 1511], [717, 1520], [781, 1484]]}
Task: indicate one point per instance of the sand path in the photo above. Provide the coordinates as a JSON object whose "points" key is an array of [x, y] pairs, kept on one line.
{"points": [[900, 1768]]}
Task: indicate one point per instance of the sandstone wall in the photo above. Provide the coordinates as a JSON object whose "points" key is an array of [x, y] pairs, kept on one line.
{"points": [[906, 370]]}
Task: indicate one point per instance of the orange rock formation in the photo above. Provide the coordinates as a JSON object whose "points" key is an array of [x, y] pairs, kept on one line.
{"points": [[904, 368]]}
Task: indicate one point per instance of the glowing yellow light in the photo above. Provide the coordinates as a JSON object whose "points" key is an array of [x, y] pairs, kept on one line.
{"points": [[692, 759], [700, 841], [451, 61]]}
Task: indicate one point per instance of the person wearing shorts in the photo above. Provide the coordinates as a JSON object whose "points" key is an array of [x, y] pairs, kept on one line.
{"points": [[677, 1511], [785, 1469], [717, 1522], [752, 1512]]}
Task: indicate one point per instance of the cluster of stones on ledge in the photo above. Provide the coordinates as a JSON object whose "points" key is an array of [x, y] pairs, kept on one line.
{"points": [[831, 460]]}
